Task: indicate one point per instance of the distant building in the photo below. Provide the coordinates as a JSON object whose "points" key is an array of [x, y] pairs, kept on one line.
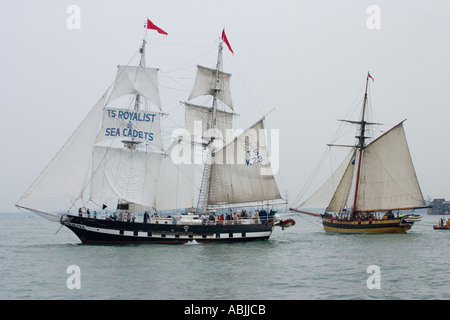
{"points": [[439, 206]]}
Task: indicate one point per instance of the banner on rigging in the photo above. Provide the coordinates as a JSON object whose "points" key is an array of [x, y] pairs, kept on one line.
{"points": [[142, 126]]}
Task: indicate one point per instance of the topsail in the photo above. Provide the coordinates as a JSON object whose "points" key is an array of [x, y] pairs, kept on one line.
{"points": [[212, 82], [136, 80]]}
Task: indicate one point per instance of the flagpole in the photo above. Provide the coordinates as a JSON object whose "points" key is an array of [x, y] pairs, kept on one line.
{"points": [[142, 64], [145, 29]]}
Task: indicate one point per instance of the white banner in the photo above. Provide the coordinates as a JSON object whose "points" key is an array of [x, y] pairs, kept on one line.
{"points": [[143, 126]]}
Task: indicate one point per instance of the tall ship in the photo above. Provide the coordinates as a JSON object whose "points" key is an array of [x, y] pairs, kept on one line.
{"points": [[116, 158], [374, 190]]}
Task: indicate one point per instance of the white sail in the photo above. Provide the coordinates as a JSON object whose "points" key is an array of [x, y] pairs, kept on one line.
{"points": [[334, 192], [65, 176], [124, 124], [91, 166], [149, 179], [198, 120], [175, 184], [205, 83], [240, 171], [125, 174], [136, 80], [388, 179]]}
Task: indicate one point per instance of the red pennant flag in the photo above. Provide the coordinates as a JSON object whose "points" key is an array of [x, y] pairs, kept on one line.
{"points": [[151, 25], [368, 74], [224, 38]]}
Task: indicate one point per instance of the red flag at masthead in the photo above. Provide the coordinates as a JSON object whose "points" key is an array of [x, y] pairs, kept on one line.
{"points": [[151, 25], [224, 38]]}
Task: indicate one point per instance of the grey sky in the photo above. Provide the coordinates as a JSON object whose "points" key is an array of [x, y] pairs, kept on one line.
{"points": [[307, 59]]}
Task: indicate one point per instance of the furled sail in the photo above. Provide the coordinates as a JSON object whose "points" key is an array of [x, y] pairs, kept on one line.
{"points": [[241, 171], [388, 179], [205, 83], [137, 80]]}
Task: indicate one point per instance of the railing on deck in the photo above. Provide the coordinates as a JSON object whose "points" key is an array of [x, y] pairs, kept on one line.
{"points": [[210, 222]]}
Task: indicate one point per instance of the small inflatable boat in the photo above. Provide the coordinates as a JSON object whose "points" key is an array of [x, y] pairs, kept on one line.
{"points": [[286, 223]]}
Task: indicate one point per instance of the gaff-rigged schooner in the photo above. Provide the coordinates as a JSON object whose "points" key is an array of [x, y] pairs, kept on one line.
{"points": [[374, 181], [117, 155]]}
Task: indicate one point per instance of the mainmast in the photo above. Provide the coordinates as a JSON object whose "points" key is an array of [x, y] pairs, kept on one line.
{"points": [[206, 179], [216, 90], [361, 145]]}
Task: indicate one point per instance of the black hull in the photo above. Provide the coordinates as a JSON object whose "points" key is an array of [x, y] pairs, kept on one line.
{"points": [[98, 231]]}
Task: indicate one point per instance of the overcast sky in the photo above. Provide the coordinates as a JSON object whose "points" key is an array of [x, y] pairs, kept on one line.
{"points": [[307, 59]]}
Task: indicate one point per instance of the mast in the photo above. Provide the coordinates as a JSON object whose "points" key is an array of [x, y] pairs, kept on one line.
{"points": [[132, 144], [216, 89], [141, 64], [206, 179], [361, 145]]}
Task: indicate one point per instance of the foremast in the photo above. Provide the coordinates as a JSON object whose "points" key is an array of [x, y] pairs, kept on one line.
{"points": [[210, 148], [132, 144]]}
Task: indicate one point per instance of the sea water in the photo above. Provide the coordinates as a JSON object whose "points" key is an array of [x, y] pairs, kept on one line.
{"points": [[38, 260]]}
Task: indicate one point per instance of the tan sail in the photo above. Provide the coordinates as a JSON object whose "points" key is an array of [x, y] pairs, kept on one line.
{"points": [[341, 195], [241, 171], [388, 179]]}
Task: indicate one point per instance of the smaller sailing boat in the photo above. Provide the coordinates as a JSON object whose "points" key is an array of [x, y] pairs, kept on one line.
{"points": [[117, 155], [374, 181]]}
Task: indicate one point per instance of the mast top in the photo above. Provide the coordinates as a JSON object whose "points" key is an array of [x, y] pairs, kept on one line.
{"points": [[361, 145], [362, 137], [132, 144], [142, 52]]}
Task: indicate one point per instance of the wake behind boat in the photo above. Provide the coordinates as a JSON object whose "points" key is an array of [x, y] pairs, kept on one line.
{"points": [[374, 181], [116, 157]]}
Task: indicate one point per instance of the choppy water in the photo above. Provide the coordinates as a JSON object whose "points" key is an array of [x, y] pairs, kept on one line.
{"points": [[302, 262]]}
